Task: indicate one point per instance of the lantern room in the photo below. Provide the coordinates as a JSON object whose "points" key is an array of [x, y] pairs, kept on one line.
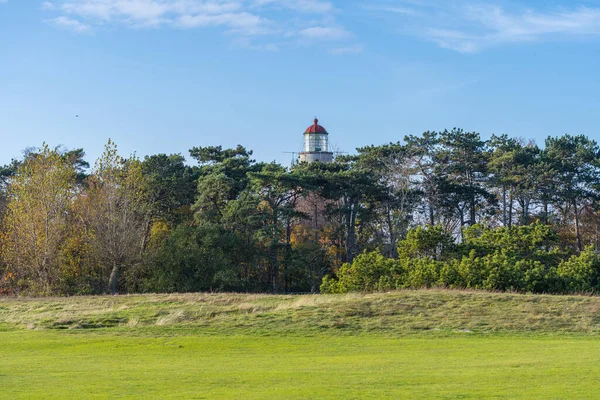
{"points": [[316, 144]]}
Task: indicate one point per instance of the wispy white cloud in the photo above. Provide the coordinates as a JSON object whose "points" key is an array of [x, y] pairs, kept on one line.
{"points": [[327, 33], [469, 27], [70, 24], [245, 23], [394, 9], [494, 26], [305, 6], [243, 18], [148, 12]]}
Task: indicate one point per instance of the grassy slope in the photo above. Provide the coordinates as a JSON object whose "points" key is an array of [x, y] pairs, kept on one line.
{"points": [[404, 312], [410, 344]]}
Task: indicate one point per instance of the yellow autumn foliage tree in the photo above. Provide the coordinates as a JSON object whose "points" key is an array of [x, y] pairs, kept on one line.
{"points": [[40, 198]]}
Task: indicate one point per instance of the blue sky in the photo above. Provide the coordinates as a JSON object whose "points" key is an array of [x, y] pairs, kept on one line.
{"points": [[162, 76]]}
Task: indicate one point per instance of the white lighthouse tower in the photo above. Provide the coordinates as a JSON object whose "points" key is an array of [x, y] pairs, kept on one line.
{"points": [[316, 144]]}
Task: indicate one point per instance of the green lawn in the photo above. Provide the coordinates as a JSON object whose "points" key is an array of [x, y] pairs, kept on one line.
{"points": [[63, 365], [271, 347]]}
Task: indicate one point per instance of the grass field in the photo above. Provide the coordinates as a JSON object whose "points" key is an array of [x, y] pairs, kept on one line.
{"points": [[409, 344]]}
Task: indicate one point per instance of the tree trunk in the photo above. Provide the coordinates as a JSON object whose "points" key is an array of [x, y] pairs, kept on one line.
{"points": [[472, 210], [393, 253], [525, 212], [577, 233], [510, 211], [114, 278], [462, 224], [316, 222], [350, 236], [504, 205], [274, 255], [288, 254], [315, 281], [146, 236], [275, 263], [431, 215]]}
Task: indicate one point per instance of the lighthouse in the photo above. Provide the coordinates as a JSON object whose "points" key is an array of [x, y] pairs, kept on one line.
{"points": [[316, 144]]}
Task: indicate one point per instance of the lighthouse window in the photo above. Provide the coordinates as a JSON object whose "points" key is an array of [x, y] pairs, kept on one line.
{"points": [[315, 142]]}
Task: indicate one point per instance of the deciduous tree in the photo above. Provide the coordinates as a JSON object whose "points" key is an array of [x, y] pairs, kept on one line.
{"points": [[40, 197]]}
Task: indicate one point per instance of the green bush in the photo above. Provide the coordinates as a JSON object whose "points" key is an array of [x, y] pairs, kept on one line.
{"points": [[370, 271], [428, 241], [422, 272], [581, 273], [451, 275], [521, 258]]}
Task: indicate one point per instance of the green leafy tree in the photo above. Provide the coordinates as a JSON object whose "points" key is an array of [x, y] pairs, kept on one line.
{"points": [[424, 152], [277, 191], [194, 259], [576, 162], [350, 188], [463, 155], [170, 186], [394, 165], [501, 166]]}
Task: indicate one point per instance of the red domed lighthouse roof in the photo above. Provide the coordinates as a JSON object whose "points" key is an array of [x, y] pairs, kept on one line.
{"points": [[315, 128]]}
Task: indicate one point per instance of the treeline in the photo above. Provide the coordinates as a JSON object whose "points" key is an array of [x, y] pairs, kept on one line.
{"points": [[442, 208]]}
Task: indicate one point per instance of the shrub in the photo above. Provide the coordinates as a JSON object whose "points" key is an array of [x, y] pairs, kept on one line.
{"points": [[429, 241], [370, 271], [521, 258], [581, 273], [422, 272], [451, 276]]}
